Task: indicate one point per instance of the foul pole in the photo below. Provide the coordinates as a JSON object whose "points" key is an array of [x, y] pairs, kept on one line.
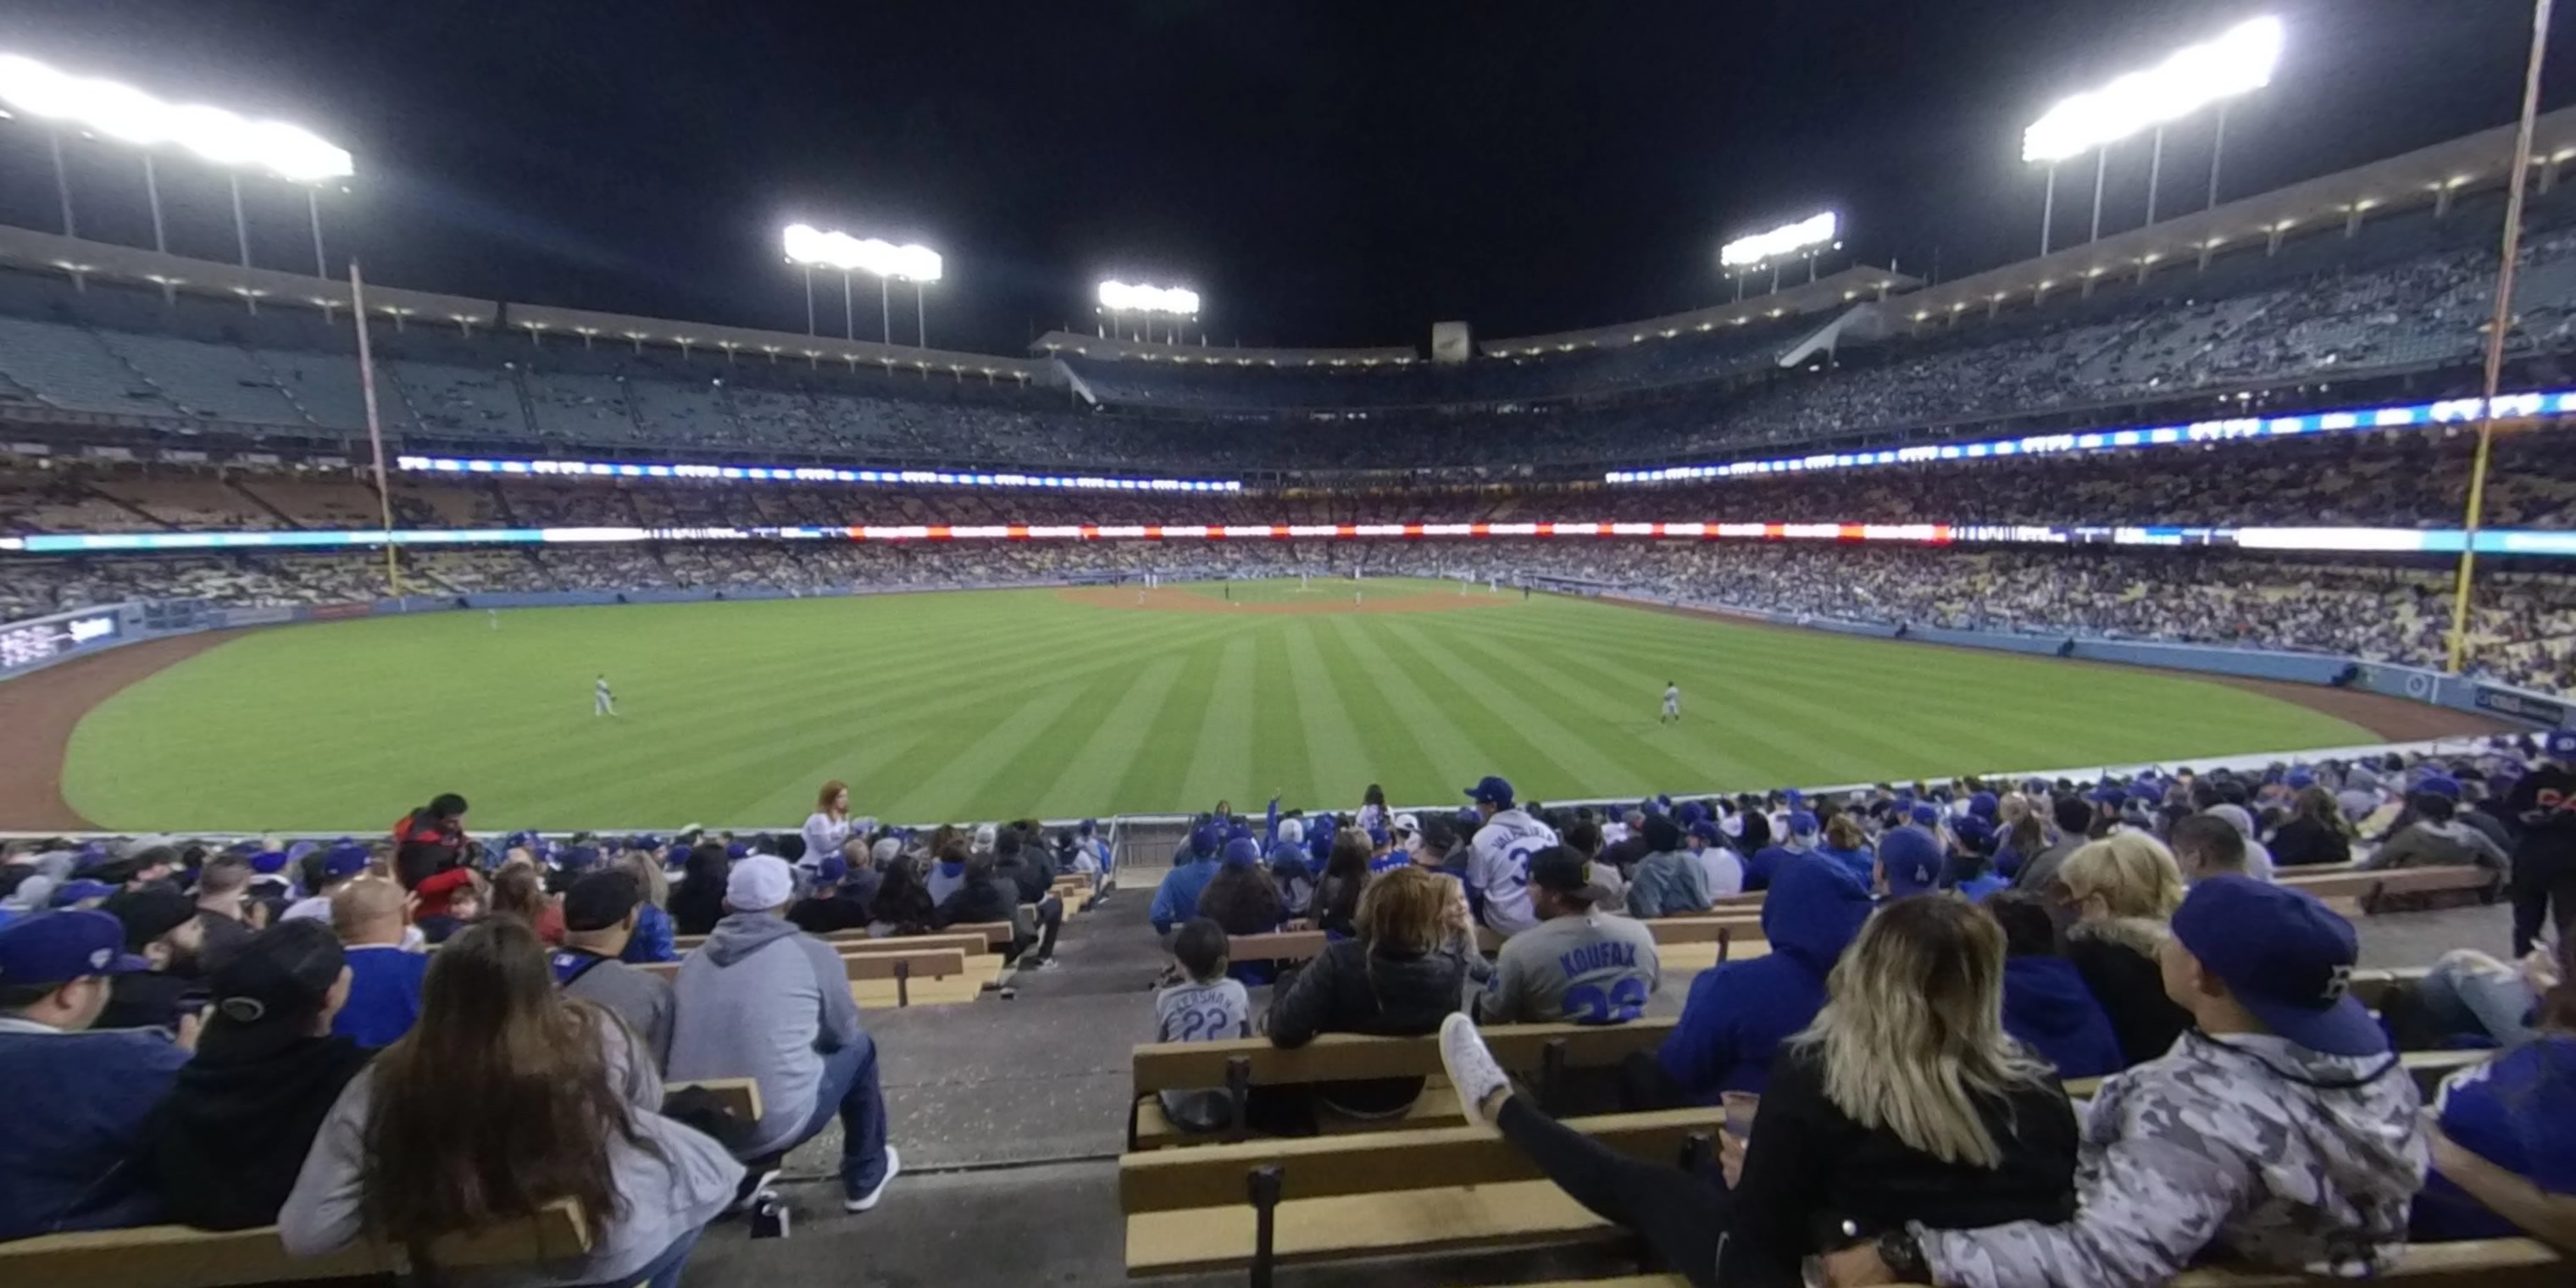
{"points": [[375, 428], [2459, 651]]}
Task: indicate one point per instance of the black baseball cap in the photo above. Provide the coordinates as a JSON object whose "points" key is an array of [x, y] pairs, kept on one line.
{"points": [[1566, 872], [600, 900], [148, 912], [269, 989]]}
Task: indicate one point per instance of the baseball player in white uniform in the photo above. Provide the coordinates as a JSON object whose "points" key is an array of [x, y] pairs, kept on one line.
{"points": [[1672, 702], [1498, 859], [602, 702]]}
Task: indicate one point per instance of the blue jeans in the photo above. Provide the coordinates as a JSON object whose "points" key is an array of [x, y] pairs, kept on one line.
{"points": [[849, 1089], [2473, 995], [662, 1271]]}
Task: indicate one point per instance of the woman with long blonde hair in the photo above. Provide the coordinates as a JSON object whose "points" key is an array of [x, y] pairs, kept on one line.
{"points": [[2121, 892], [1904, 1102]]}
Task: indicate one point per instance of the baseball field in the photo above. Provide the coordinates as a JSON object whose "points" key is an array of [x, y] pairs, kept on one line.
{"points": [[1084, 702]]}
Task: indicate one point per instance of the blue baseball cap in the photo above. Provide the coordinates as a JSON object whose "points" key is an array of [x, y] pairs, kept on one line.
{"points": [[2439, 785], [2559, 744], [2286, 956], [578, 858], [1802, 823], [1794, 798], [343, 861], [1242, 849], [1927, 815], [1705, 831], [1983, 805], [1379, 836], [1206, 839], [1491, 790], [1088, 825], [2300, 778], [268, 862], [59, 947], [832, 870], [72, 892]]}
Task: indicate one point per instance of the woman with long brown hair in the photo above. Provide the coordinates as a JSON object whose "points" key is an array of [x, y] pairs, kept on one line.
{"points": [[516, 892], [827, 829], [2315, 832], [1904, 1102], [504, 1098]]}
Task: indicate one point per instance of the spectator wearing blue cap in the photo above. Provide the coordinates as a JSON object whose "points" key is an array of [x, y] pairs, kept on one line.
{"points": [[2280, 1132], [1912, 857], [1382, 851], [1499, 855], [334, 868], [77, 1099], [2504, 1145], [828, 906], [1799, 835], [1721, 871], [1667, 881], [948, 866], [1177, 899], [1090, 846]]}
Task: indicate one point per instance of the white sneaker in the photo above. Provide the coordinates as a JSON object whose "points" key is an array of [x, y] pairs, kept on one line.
{"points": [[894, 1168], [1471, 1067]]}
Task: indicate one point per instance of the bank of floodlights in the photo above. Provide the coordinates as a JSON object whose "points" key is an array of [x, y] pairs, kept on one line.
{"points": [[1803, 237], [810, 248], [1123, 297], [128, 115], [2208, 74]]}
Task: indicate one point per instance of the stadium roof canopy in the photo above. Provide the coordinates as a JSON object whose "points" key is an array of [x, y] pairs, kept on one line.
{"points": [[1077, 345], [105, 261], [2430, 176], [1848, 286]]}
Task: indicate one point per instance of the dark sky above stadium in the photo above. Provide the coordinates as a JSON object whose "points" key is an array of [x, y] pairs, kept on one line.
{"points": [[1322, 173]]}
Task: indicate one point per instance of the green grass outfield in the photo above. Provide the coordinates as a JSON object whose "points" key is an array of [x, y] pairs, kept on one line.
{"points": [[997, 703]]}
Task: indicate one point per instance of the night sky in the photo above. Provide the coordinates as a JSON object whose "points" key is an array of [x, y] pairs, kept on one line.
{"points": [[1341, 173]]}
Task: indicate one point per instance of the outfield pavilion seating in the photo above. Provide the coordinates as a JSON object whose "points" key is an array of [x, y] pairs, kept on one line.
{"points": [[72, 368], [579, 407], [459, 400]]}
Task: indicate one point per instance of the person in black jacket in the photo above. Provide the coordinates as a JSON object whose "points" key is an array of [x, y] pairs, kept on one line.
{"points": [[1904, 1102], [2123, 890], [1407, 969], [223, 1148], [1021, 857], [985, 896], [697, 903], [2315, 832]]}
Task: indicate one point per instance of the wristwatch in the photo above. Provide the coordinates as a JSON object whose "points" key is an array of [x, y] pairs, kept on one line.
{"points": [[1903, 1255]]}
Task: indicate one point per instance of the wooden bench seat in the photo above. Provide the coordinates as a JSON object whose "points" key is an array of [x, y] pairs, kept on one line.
{"points": [[738, 1097], [901, 972], [1437, 1106], [2474, 1263], [1524, 1049], [2368, 889], [2427, 1067], [176, 1256], [1351, 1196]]}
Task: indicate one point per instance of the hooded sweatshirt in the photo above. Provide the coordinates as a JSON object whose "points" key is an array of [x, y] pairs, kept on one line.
{"points": [[2427, 844], [1738, 1014], [762, 1000], [2246, 1148], [2047, 1006], [945, 879], [1666, 883], [1770, 858], [222, 1149], [1177, 899]]}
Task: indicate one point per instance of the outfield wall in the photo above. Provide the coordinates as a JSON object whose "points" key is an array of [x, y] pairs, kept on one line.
{"points": [[30, 646]]}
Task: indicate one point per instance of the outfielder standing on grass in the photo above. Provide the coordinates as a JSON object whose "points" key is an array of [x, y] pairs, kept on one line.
{"points": [[1672, 703], [602, 702]]}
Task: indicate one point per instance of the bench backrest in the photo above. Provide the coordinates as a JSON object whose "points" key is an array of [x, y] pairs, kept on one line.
{"points": [[1173, 1066], [2390, 881], [917, 962], [176, 1256], [2427, 1067]]}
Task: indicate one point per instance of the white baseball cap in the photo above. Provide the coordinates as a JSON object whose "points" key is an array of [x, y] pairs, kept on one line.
{"points": [[759, 883], [1407, 825]]}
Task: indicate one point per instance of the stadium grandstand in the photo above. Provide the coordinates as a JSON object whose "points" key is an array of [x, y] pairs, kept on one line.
{"points": [[1157, 809]]}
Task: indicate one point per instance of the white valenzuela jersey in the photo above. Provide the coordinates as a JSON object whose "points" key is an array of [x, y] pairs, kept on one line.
{"points": [[1498, 867]]}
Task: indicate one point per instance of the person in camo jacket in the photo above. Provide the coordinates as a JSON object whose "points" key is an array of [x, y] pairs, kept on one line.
{"points": [[2279, 1132]]}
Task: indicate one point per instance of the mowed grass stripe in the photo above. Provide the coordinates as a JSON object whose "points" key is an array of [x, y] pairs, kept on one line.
{"points": [[1087, 783], [944, 785], [1335, 752], [1279, 736], [1012, 778], [1220, 760], [1396, 750], [1493, 744], [1157, 765], [1447, 748], [1580, 764]]}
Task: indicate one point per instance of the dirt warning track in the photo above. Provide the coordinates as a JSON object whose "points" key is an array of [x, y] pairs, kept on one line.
{"points": [[39, 711]]}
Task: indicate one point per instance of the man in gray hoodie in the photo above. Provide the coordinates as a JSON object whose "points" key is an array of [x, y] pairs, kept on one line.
{"points": [[763, 1000], [2281, 1132]]}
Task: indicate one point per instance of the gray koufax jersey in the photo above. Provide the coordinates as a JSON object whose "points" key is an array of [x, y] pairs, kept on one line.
{"points": [[2244, 1148]]}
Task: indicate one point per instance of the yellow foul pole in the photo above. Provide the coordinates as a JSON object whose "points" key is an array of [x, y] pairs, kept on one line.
{"points": [[2495, 333], [375, 431]]}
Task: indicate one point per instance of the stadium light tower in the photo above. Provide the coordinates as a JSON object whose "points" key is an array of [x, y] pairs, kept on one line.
{"points": [[1174, 302], [808, 247], [1805, 239], [2239, 61], [110, 110]]}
